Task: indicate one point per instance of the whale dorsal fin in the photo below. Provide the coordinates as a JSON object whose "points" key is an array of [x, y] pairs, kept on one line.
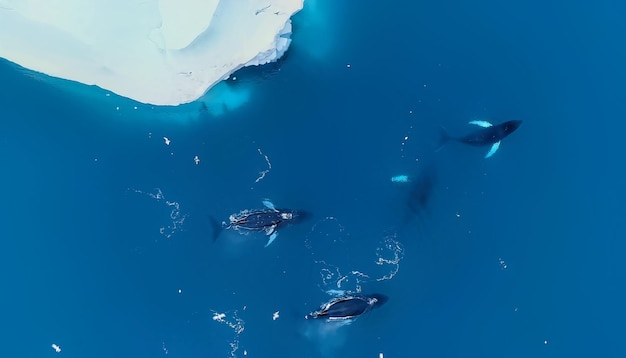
{"points": [[268, 204], [483, 124], [493, 150]]}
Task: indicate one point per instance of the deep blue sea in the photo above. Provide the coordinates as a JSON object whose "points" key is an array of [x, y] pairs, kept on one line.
{"points": [[106, 236]]}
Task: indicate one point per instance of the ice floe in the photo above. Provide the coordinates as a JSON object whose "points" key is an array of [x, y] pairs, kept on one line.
{"points": [[164, 52]]}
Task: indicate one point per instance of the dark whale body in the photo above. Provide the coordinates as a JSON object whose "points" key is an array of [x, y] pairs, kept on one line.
{"points": [[267, 219], [348, 307], [262, 219], [488, 134]]}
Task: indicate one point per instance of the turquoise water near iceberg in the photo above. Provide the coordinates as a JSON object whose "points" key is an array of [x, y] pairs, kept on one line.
{"points": [[105, 230]]}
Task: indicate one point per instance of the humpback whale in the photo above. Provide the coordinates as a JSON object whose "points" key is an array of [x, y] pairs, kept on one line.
{"points": [[348, 307], [488, 134], [266, 220]]}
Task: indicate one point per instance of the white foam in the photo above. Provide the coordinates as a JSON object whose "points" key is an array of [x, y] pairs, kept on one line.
{"points": [[164, 52]]}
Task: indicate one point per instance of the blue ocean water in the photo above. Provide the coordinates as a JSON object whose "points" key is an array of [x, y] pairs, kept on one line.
{"points": [[106, 233]]}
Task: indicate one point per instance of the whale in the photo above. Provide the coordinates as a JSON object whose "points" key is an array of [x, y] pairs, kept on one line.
{"points": [[487, 135], [267, 220], [348, 307]]}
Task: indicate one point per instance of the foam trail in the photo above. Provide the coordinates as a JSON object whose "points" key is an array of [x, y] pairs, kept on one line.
{"points": [[266, 171]]}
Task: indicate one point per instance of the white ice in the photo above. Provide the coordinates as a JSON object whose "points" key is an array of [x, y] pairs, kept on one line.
{"points": [[164, 52]]}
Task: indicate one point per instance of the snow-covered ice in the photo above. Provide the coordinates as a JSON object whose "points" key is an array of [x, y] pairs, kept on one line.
{"points": [[164, 52]]}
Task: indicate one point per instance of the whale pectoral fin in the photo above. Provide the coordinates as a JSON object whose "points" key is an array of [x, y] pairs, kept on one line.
{"points": [[272, 238], [400, 179], [483, 124], [270, 230], [493, 150], [268, 204]]}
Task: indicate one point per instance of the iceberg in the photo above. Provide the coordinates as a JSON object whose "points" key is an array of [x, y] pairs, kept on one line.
{"points": [[161, 52]]}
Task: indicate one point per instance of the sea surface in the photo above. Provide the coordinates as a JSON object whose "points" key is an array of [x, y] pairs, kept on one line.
{"points": [[106, 238]]}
